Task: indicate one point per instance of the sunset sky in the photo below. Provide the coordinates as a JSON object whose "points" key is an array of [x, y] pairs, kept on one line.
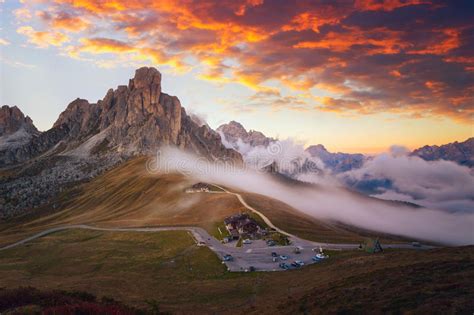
{"points": [[356, 76]]}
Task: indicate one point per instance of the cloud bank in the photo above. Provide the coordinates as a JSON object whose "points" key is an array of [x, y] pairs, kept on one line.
{"points": [[328, 202], [412, 57], [397, 176]]}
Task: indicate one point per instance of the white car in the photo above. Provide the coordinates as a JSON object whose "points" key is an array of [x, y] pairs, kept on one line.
{"points": [[283, 257], [299, 262], [247, 241]]}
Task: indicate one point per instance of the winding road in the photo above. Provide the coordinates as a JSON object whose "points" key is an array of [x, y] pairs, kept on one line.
{"points": [[257, 255]]}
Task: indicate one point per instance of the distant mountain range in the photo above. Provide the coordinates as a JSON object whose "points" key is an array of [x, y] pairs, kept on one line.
{"points": [[234, 135], [459, 152]]}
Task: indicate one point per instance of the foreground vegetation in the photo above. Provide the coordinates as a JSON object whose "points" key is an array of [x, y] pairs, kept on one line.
{"points": [[167, 271], [29, 300]]}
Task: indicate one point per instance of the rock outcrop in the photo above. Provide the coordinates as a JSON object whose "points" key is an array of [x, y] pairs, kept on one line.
{"points": [[16, 131], [13, 120]]}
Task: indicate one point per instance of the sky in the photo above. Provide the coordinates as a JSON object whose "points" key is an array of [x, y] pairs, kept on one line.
{"points": [[356, 76]]}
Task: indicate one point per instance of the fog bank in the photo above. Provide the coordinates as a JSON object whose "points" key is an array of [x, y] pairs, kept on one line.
{"points": [[328, 202]]}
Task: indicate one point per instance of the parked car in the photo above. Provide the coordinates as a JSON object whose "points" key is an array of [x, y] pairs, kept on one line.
{"points": [[299, 262], [251, 268], [275, 259], [321, 256], [284, 266], [274, 254], [201, 244], [297, 250], [247, 241], [415, 244], [295, 264], [283, 257], [271, 243], [228, 257]]}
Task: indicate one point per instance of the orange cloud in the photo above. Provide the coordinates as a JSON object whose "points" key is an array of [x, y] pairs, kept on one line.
{"points": [[385, 41], [248, 3], [104, 45], [309, 21], [451, 41], [64, 21], [386, 5], [43, 39], [370, 56]]}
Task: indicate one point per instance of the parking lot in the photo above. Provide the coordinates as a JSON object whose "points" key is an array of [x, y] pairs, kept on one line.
{"points": [[262, 260]]}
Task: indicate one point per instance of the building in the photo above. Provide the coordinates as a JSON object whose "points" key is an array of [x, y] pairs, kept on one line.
{"points": [[243, 225], [199, 187]]}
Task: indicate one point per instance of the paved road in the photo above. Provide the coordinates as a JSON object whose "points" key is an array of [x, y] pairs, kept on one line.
{"points": [[199, 234], [244, 257], [257, 254], [264, 218]]}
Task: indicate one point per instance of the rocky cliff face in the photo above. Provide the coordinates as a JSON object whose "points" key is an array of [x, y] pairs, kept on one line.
{"points": [[459, 152], [137, 119]]}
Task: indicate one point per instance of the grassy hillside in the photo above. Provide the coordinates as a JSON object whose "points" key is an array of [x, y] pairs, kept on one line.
{"points": [[127, 196], [168, 270], [130, 196]]}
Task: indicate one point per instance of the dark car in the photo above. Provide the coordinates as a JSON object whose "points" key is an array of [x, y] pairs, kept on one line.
{"points": [[295, 264], [274, 254], [284, 266]]}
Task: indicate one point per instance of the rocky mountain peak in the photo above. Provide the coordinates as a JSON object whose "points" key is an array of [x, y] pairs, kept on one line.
{"points": [[145, 77], [12, 120], [75, 112], [316, 149], [133, 119], [234, 131]]}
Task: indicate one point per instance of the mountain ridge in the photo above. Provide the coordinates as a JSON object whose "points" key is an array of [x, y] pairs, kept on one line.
{"points": [[459, 152], [90, 138], [233, 134], [133, 119]]}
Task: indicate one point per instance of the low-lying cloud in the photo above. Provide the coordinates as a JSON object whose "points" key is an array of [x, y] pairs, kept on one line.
{"points": [[328, 202], [397, 176]]}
